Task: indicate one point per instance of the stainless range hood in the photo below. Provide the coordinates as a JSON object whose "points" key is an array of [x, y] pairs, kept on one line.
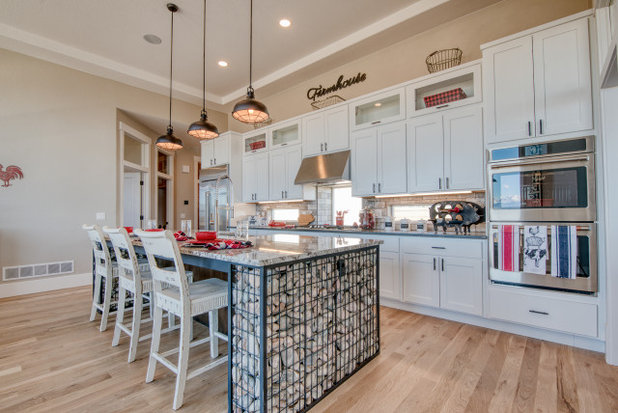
{"points": [[321, 169]]}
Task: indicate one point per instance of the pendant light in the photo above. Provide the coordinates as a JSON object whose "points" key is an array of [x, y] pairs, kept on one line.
{"points": [[250, 110], [169, 141], [203, 129]]}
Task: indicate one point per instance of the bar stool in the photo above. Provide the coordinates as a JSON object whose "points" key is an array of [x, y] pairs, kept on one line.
{"points": [[173, 293], [134, 278], [104, 272]]}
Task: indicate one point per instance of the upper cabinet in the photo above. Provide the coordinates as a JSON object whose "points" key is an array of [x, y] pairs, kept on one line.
{"points": [[539, 84], [284, 134], [256, 141], [454, 87], [378, 109], [284, 165], [216, 152], [255, 177], [325, 131]]}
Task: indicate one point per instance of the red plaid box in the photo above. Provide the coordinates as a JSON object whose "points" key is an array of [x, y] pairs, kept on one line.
{"points": [[257, 145], [444, 97]]}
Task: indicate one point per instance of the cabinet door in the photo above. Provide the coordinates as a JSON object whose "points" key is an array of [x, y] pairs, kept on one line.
{"points": [[249, 178], [293, 158], [425, 154], [509, 91], [337, 129], [563, 92], [262, 176], [221, 150], [461, 284], [364, 162], [390, 280], [392, 175], [278, 175], [208, 154], [313, 137], [464, 165], [421, 279]]}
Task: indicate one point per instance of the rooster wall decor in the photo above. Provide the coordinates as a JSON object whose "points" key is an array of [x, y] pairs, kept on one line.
{"points": [[12, 172]]}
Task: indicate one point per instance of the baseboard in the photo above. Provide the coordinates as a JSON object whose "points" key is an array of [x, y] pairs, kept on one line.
{"points": [[39, 285], [513, 328]]}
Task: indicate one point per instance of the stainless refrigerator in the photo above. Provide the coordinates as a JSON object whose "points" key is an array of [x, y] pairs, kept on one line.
{"points": [[207, 200]]}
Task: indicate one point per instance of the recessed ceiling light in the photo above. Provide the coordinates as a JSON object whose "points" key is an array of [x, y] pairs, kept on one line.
{"points": [[285, 23], [222, 63], [152, 38], [377, 105]]}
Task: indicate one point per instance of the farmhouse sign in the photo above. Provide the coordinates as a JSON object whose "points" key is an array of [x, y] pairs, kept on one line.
{"points": [[317, 92]]}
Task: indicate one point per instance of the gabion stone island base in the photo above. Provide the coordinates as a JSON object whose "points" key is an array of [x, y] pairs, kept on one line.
{"points": [[301, 328]]}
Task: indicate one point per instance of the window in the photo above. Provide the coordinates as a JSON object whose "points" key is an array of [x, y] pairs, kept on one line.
{"points": [[285, 214], [411, 212], [344, 201]]}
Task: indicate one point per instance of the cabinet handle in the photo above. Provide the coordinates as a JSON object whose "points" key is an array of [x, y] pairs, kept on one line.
{"points": [[434, 263], [439, 248], [325, 146], [215, 161], [321, 147], [374, 188], [442, 106], [375, 122], [538, 312], [541, 126], [442, 264], [286, 194], [439, 183], [447, 184], [529, 128], [281, 194], [379, 187]]}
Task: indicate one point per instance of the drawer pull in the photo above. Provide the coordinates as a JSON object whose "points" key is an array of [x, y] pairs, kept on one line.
{"points": [[538, 312], [442, 106], [439, 248]]}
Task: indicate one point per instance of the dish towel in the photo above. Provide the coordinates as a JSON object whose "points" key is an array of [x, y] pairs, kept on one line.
{"points": [[508, 248], [564, 251], [535, 249]]}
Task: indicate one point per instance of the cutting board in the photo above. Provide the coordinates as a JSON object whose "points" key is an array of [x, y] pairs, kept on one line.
{"points": [[305, 219]]}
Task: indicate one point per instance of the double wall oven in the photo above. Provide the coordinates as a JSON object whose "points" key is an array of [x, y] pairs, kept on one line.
{"points": [[552, 186]]}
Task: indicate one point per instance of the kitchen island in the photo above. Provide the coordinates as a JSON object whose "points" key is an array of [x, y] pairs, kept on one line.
{"points": [[304, 316]]}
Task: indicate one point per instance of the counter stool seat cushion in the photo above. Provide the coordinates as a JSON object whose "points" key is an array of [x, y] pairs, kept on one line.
{"points": [[205, 296]]}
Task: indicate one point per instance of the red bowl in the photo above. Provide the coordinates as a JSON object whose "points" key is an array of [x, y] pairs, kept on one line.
{"points": [[205, 235], [129, 229], [154, 230]]}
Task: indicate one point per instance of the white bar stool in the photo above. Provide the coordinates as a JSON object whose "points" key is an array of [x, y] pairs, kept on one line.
{"points": [[174, 294]]}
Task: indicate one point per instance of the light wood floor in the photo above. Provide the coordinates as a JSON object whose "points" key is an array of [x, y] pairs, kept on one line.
{"points": [[53, 359]]}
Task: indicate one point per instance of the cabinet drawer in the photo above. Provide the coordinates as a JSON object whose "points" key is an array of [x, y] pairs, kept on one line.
{"points": [[391, 243], [470, 248], [543, 311]]}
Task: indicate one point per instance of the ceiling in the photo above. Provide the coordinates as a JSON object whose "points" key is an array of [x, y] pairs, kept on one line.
{"points": [[105, 38]]}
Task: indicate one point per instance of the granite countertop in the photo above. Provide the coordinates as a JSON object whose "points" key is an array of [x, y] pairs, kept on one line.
{"points": [[451, 234], [279, 249]]}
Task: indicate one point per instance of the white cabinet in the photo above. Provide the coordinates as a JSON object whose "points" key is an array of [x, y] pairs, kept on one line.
{"points": [[284, 164], [255, 141], [325, 131], [284, 134], [461, 284], [379, 160], [389, 275], [377, 109], [421, 279], [255, 177], [539, 84], [216, 151], [445, 151]]}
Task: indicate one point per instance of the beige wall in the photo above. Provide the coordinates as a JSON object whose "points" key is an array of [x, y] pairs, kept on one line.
{"points": [[60, 126], [405, 60]]}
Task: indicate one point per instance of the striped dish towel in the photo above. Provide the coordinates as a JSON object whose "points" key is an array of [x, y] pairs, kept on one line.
{"points": [[508, 248], [564, 251]]}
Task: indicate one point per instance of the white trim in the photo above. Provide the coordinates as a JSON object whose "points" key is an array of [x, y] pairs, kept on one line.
{"points": [[38, 285], [170, 190], [538, 333], [553, 23], [124, 129], [196, 192]]}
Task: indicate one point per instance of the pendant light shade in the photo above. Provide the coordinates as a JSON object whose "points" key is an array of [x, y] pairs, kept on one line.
{"points": [[203, 129], [250, 110], [169, 141]]}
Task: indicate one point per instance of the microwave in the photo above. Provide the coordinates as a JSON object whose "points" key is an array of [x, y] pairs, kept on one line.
{"points": [[551, 181]]}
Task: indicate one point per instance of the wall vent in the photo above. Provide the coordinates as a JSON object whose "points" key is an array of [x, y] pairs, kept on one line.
{"points": [[37, 270]]}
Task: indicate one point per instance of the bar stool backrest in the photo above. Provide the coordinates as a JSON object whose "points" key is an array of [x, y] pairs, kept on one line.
{"points": [[102, 257], [162, 244], [125, 254]]}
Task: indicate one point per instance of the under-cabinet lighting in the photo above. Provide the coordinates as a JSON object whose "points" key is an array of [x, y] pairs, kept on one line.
{"points": [[426, 194], [280, 202]]}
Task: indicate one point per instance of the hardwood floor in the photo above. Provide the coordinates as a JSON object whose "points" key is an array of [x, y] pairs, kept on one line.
{"points": [[53, 359]]}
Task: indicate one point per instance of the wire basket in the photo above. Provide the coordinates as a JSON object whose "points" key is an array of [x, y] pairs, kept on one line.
{"points": [[331, 100], [267, 122], [443, 59]]}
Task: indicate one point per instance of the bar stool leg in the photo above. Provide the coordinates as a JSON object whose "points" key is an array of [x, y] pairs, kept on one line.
{"points": [[183, 361], [122, 293], [137, 319], [95, 296], [155, 341], [107, 298], [213, 327]]}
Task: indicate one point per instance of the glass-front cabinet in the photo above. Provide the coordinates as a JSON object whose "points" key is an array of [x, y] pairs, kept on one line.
{"points": [[455, 87], [256, 142], [287, 133], [378, 109]]}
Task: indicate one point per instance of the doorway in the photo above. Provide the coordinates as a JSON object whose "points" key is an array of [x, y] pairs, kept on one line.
{"points": [[134, 171], [165, 189]]}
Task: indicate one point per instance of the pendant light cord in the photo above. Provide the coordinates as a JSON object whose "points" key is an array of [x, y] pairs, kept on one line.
{"points": [[171, 68], [251, 47], [204, 63]]}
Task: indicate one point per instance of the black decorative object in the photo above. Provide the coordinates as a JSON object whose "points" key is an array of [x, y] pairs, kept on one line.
{"points": [[319, 91], [443, 59], [456, 214]]}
